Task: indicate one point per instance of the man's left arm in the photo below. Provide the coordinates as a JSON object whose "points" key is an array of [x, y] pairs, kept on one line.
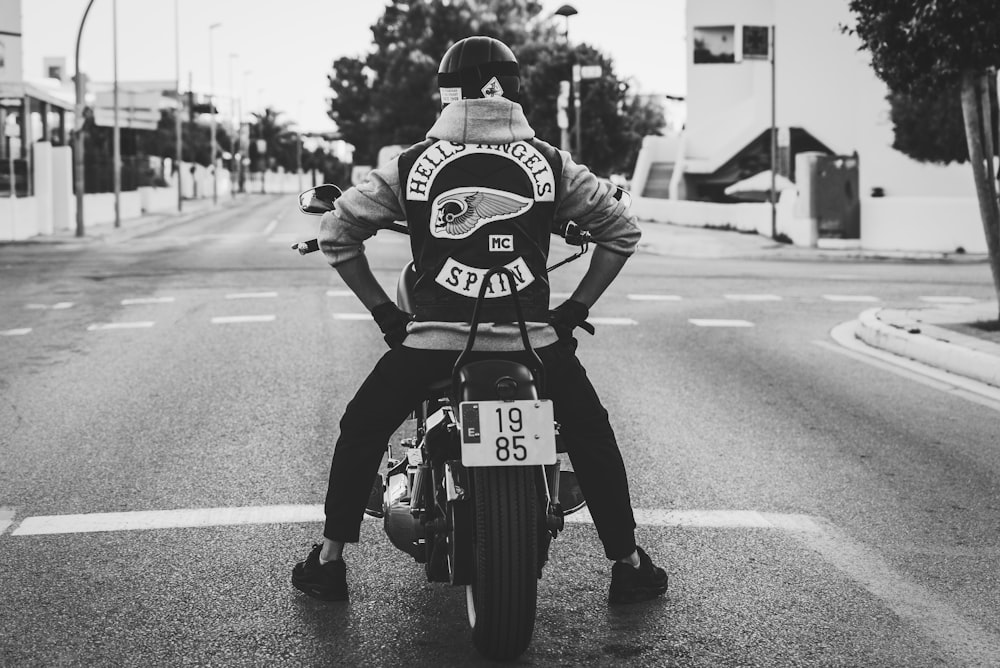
{"points": [[591, 204]]}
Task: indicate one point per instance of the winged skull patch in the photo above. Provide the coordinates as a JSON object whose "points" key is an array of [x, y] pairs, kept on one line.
{"points": [[457, 213]]}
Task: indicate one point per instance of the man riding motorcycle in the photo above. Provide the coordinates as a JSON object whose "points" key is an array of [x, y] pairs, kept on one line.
{"points": [[479, 192]]}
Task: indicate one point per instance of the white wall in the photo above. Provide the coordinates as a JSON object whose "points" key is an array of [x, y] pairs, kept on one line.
{"points": [[746, 217], [929, 224], [52, 209], [824, 84]]}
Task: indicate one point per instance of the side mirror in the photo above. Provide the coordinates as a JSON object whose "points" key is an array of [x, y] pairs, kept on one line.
{"points": [[317, 201]]}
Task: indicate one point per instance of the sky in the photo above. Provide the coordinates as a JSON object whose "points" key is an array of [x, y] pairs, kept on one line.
{"points": [[280, 56]]}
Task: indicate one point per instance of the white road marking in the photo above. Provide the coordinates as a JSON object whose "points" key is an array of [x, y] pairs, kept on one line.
{"points": [[206, 517], [655, 298], [270, 227], [704, 322], [251, 295], [938, 379], [352, 316], [147, 300], [937, 620], [753, 298], [560, 295], [234, 319], [167, 519], [6, 518], [15, 332], [711, 519], [611, 321], [58, 306], [851, 298], [141, 324], [339, 293], [949, 300]]}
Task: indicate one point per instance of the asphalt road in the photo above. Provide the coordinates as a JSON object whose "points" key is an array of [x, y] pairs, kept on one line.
{"points": [[812, 508]]}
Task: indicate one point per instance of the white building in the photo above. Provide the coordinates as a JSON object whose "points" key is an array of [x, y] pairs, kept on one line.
{"points": [[826, 98]]}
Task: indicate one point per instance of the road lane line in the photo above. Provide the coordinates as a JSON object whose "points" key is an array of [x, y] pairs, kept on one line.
{"points": [[655, 298], [704, 322], [15, 332], [851, 298], [141, 324], [339, 293], [912, 602], [936, 619], [58, 306], [235, 319], [752, 298], [147, 300], [611, 321], [711, 519], [352, 316], [251, 295], [270, 227], [167, 519]]}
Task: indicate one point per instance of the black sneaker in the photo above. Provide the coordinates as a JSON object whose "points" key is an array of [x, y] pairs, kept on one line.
{"points": [[327, 582], [631, 585]]}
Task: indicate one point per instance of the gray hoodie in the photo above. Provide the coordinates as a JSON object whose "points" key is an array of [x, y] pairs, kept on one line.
{"points": [[378, 201]]}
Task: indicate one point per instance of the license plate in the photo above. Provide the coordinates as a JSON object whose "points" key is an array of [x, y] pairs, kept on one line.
{"points": [[508, 433]]}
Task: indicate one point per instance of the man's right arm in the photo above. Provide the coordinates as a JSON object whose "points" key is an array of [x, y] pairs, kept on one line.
{"points": [[358, 215]]}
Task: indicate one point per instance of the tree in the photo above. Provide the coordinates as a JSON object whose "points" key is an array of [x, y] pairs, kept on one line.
{"points": [[928, 126], [280, 141], [921, 46], [391, 97]]}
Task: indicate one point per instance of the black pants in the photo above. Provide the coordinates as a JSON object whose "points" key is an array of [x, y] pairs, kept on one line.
{"points": [[400, 380]]}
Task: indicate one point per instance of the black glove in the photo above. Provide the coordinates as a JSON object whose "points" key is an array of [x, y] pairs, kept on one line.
{"points": [[568, 316], [392, 320]]}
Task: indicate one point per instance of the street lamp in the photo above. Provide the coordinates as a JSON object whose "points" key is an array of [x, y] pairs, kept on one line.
{"points": [[211, 109], [178, 123], [567, 11], [233, 116], [78, 122]]}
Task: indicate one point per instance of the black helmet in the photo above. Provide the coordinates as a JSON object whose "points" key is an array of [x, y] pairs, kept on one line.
{"points": [[477, 67]]}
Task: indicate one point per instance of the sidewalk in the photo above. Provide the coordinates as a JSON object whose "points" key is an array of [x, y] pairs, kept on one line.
{"points": [[129, 226], [941, 337]]}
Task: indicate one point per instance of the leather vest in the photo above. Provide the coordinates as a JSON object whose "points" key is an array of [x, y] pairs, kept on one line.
{"points": [[472, 207]]}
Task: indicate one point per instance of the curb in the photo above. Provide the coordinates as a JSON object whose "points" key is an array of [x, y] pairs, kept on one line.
{"points": [[896, 332]]}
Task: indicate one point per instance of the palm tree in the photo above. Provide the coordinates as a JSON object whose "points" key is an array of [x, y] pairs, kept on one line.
{"points": [[280, 142]]}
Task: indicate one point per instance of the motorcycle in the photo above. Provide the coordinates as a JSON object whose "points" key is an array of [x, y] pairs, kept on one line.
{"points": [[480, 489]]}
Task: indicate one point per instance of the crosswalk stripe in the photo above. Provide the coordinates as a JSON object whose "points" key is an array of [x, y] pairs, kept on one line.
{"points": [[15, 332]]}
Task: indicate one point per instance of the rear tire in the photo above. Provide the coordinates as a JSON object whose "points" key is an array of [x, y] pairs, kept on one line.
{"points": [[504, 593]]}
